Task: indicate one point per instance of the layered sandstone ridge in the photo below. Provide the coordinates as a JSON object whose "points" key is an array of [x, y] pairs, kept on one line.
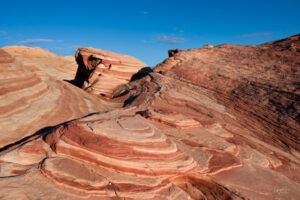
{"points": [[109, 155], [30, 100], [115, 70], [226, 151], [212, 123], [48, 64], [257, 84], [234, 109]]}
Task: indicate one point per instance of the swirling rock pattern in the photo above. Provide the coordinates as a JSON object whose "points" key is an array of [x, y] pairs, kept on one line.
{"points": [[244, 99], [130, 154], [107, 155], [212, 123], [29, 102], [257, 84]]}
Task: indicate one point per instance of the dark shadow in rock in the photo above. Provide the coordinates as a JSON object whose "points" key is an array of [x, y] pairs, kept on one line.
{"points": [[121, 94], [141, 73], [72, 82], [94, 113], [129, 100], [172, 52], [41, 132]]}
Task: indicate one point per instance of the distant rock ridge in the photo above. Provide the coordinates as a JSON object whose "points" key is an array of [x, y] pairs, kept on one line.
{"points": [[49, 64]]}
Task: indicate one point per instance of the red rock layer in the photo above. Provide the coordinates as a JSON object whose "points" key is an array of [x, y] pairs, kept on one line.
{"points": [[143, 157], [256, 84], [233, 109], [29, 103], [201, 128], [115, 154]]}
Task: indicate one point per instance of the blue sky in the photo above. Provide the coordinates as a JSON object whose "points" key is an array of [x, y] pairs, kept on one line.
{"points": [[145, 29]]}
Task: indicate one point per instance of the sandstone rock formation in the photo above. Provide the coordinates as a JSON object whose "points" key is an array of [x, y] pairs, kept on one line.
{"points": [[31, 100], [212, 123], [116, 154], [257, 84], [49, 64], [235, 109], [104, 80]]}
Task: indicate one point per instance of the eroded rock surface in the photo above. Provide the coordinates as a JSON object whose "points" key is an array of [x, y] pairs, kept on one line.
{"points": [[213, 123], [234, 109], [31, 100], [255, 85], [109, 155]]}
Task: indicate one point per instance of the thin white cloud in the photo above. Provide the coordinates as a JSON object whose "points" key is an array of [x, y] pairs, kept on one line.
{"points": [[145, 12], [254, 35], [34, 41], [2, 32], [170, 39]]}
